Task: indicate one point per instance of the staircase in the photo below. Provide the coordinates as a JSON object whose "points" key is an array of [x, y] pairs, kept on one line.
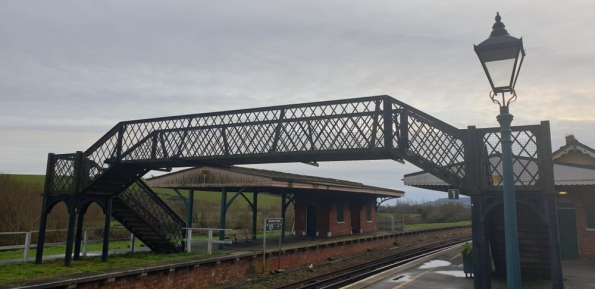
{"points": [[93, 175], [138, 208], [144, 214], [534, 248]]}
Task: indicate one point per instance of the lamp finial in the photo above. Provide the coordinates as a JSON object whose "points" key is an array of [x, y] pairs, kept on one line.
{"points": [[498, 27]]}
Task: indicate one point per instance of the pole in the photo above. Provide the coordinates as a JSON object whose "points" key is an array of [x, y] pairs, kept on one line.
{"points": [[513, 270], [280, 238], [264, 246], [222, 217]]}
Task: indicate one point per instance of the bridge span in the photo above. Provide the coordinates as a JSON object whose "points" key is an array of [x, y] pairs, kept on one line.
{"points": [[379, 127]]}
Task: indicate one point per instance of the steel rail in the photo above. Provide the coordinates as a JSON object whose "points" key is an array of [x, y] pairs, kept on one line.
{"points": [[346, 276]]}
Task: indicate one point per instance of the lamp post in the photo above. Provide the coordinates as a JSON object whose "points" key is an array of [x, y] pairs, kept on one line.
{"points": [[501, 57]]}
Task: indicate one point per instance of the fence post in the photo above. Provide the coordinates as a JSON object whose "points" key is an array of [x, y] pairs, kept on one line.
{"points": [[85, 242], [27, 244], [188, 240], [210, 242], [132, 240]]}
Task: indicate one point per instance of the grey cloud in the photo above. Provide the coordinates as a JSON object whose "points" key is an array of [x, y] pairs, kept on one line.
{"points": [[73, 69]]}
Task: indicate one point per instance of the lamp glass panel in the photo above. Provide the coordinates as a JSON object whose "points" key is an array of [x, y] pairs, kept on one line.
{"points": [[500, 72], [518, 67]]}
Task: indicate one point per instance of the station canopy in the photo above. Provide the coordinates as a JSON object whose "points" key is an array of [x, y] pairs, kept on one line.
{"points": [[234, 178]]}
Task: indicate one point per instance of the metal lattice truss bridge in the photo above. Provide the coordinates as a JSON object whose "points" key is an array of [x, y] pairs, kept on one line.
{"points": [[378, 127]]}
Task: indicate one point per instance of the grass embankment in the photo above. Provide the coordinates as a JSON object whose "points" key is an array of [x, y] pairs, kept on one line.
{"points": [[169, 194], [437, 225], [22, 272]]}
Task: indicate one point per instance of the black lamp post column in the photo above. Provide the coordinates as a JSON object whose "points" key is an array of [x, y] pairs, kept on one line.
{"points": [[513, 269], [501, 57]]}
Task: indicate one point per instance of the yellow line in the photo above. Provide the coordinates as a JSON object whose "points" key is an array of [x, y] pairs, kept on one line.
{"points": [[424, 273]]}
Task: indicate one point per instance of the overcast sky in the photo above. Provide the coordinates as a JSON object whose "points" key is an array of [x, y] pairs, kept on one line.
{"points": [[71, 70]]}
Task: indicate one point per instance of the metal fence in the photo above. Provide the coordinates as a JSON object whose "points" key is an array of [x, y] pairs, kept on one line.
{"points": [[391, 223], [16, 247]]}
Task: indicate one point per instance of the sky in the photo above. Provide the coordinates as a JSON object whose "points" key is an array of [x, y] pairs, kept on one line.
{"points": [[71, 70]]}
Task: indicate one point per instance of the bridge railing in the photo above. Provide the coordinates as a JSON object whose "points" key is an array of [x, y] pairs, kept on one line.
{"points": [[311, 130], [350, 126]]}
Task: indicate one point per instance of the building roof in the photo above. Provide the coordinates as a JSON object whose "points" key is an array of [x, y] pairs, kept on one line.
{"points": [[235, 178], [573, 146], [565, 173]]}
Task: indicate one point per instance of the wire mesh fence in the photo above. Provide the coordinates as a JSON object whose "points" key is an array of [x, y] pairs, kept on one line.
{"points": [[16, 247], [391, 223]]}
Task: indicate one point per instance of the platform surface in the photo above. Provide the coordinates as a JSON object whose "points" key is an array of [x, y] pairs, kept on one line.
{"points": [[445, 270]]}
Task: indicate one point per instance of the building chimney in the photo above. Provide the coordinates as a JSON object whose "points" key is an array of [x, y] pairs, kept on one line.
{"points": [[570, 138]]}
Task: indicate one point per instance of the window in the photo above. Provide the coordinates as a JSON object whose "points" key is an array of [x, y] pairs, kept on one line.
{"points": [[368, 213], [340, 212]]}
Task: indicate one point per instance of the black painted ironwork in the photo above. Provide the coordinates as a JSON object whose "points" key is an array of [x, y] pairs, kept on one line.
{"points": [[378, 127]]}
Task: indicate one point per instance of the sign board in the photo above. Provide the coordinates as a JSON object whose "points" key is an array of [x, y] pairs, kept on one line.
{"points": [[271, 225], [453, 194]]}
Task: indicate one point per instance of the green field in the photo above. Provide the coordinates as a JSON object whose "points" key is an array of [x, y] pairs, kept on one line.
{"points": [[264, 200], [22, 272]]}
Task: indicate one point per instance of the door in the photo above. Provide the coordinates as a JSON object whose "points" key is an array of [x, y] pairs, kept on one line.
{"points": [[568, 233], [311, 220], [355, 218]]}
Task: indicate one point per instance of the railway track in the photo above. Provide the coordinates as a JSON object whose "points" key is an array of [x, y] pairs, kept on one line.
{"points": [[346, 276]]}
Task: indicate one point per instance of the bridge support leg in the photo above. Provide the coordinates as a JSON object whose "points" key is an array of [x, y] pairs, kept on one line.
{"points": [[79, 236], [556, 264], [70, 233], [482, 265], [254, 213], [41, 236], [106, 227]]}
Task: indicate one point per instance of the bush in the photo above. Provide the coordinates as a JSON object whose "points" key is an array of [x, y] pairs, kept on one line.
{"points": [[467, 250]]}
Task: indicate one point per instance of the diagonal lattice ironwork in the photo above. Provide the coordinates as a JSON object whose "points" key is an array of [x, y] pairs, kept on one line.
{"points": [[62, 174], [147, 205], [431, 144], [378, 127], [525, 163]]}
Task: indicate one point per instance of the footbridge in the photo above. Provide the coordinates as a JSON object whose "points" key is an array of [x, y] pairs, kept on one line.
{"points": [[379, 127]]}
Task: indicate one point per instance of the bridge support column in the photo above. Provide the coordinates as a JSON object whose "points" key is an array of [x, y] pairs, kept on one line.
{"points": [[79, 235], [482, 264], [106, 227], [555, 259], [70, 234], [42, 226]]}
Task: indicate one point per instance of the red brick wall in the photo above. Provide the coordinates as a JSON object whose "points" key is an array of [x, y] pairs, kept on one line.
{"points": [[208, 273], [365, 225], [586, 239], [327, 214], [343, 228]]}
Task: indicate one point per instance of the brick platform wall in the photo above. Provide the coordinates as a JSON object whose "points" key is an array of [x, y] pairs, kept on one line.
{"points": [[208, 273]]}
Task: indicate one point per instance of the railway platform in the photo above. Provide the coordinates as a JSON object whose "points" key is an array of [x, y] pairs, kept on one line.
{"points": [[444, 270]]}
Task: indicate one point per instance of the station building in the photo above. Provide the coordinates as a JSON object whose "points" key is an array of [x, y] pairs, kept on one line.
{"points": [[574, 179], [324, 207]]}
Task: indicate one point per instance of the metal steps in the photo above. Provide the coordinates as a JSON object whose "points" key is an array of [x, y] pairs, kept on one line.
{"points": [[139, 209], [534, 247]]}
